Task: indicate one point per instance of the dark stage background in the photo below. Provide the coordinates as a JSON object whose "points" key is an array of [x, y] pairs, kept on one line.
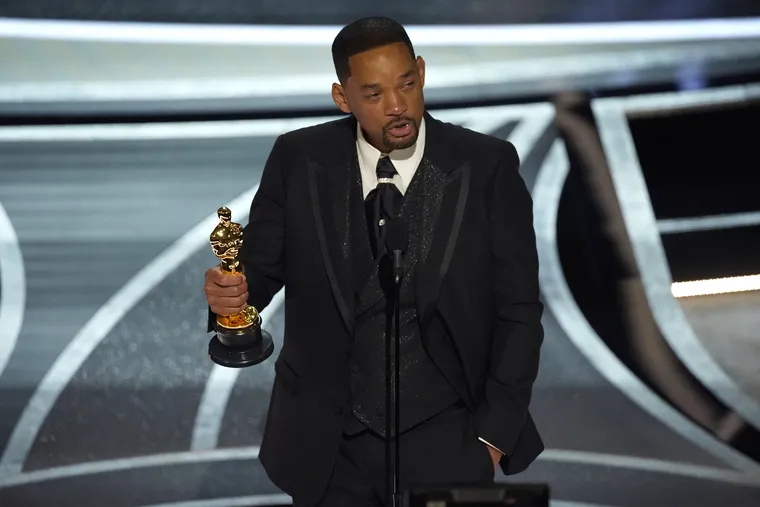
{"points": [[342, 11], [117, 146]]}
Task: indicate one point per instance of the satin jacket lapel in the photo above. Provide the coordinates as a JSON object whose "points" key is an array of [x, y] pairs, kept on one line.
{"points": [[445, 234], [330, 172], [362, 260]]}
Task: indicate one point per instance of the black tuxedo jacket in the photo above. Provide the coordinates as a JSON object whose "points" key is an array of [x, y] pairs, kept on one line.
{"points": [[476, 292]]}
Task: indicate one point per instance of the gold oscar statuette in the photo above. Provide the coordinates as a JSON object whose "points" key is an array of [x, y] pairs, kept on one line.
{"points": [[239, 339]]}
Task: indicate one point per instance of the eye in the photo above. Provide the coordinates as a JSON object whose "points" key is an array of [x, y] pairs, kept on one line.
{"points": [[373, 96], [408, 84]]}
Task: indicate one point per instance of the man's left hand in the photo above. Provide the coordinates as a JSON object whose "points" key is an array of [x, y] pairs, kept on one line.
{"points": [[495, 457]]}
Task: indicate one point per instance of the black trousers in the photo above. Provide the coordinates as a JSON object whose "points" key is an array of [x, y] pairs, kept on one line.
{"points": [[441, 451]]}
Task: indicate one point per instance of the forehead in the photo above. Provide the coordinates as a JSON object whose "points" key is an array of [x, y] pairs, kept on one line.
{"points": [[381, 64]]}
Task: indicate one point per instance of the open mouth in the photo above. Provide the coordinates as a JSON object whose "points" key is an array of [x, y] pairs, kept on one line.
{"points": [[401, 130]]}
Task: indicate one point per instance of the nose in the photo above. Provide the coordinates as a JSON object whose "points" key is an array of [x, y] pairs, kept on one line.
{"points": [[395, 104]]}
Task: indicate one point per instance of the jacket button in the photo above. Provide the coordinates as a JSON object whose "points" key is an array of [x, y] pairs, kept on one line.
{"points": [[338, 410]]}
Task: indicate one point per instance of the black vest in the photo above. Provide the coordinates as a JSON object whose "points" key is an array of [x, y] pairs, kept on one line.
{"points": [[424, 390]]}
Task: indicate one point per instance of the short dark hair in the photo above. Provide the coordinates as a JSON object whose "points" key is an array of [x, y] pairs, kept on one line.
{"points": [[362, 35]]}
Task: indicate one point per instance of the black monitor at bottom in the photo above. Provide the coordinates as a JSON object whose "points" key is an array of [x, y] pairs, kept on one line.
{"points": [[512, 495]]}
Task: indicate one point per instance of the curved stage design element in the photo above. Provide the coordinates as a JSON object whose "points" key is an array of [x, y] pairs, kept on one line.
{"points": [[559, 299], [12, 288], [97, 328], [611, 115]]}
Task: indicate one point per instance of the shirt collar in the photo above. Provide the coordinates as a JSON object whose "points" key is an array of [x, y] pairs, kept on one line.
{"points": [[369, 155]]}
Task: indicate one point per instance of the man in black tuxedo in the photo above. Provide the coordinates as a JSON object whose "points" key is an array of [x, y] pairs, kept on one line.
{"points": [[470, 312]]}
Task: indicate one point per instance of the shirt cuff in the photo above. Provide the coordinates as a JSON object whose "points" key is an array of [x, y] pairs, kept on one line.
{"points": [[491, 445]]}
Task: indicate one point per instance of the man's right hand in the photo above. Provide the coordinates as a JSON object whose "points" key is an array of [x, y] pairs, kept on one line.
{"points": [[226, 294]]}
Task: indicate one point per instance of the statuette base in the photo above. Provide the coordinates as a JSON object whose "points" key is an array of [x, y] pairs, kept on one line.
{"points": [[240, 357]]}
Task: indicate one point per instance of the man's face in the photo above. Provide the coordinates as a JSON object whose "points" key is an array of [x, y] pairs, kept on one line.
{"points": [[384, 93]]}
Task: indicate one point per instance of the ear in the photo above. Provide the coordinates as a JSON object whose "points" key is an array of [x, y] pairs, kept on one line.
{"points": [[421, 69], [339, 97]]}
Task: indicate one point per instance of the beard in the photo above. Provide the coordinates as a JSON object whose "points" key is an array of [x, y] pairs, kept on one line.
{"points": [[394, 143]]}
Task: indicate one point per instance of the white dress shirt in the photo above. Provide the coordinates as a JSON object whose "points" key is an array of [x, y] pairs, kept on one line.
{"points": [[405, 161]]}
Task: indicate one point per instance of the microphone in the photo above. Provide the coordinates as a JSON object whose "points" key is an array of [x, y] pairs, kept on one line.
{"points": [[397, 241]]}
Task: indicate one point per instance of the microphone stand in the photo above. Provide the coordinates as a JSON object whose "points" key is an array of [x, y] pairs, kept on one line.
{"points": [[398, 272], [393, 466]]}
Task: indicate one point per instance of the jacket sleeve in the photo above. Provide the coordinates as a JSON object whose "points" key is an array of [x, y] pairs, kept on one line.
{"points": [[262, 254], [517, 330]]}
